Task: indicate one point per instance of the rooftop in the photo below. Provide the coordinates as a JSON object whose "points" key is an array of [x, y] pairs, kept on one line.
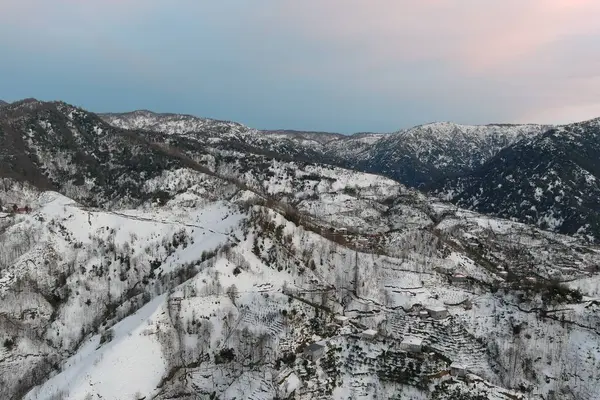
{"points": [[436, 308], [412, 340], [370, 332], [314, 347]]}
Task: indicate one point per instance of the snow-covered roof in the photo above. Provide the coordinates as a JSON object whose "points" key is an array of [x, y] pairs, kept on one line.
{"points": [[413, 340], [436, 308], [457, 366], [341, 318], [370, 332]]}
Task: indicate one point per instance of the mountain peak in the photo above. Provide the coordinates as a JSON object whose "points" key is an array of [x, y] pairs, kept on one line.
{"points": [[173, 124]]}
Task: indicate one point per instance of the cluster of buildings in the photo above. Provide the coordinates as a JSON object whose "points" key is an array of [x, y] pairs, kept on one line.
{"points": [[409, 344]]}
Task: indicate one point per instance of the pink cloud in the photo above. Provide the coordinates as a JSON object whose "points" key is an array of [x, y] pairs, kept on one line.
{"points": [[512, 51], [477, 35]]}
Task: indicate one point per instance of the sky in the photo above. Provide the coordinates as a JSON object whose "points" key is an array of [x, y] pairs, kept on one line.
{"points": [[328, 65]]}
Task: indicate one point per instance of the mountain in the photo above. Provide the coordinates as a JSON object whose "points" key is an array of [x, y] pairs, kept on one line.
{"points": [[203, 259], [3, 103], [550, 180], [532, 173], [172, 123], [416, 157], [59, 147], [427, 153]]}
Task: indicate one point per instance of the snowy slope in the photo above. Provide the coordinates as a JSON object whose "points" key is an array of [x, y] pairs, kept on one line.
{"points": [[67, 269], [230, 325], [207, 272], [100, 368]]}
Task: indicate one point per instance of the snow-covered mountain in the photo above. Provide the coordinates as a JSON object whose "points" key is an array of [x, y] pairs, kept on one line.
{"points": [[436, 151], [415, 157], [550, 180], [200, 266], [496, 169]]}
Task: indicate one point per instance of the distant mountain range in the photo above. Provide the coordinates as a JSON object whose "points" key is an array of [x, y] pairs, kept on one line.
{"points": [[538, 174], [417, 157]]}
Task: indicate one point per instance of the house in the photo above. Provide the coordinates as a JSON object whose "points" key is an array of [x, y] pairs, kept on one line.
{"points": [[423, 314], [458, 278], [412, 344], [20, 210], [341, 319], [437, 312], [369, 334], [314, 351], [458, 370]]}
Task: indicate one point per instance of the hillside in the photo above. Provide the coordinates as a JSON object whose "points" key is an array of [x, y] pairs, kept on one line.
{"points": [[59, 147], [231, 322], [550, 180], [183, 263], [531, 173]]}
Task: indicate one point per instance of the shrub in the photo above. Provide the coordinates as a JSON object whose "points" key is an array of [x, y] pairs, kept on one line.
{"points": [[107, 336], [9, 344], [224, 356]]}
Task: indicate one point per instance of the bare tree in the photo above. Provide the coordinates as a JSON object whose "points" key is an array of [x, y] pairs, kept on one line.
{"points": [[232, 293]]}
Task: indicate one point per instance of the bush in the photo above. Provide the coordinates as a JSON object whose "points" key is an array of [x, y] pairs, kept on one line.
{"points": [[107, 336], [350, 191], [9, 344], [224, 356]]}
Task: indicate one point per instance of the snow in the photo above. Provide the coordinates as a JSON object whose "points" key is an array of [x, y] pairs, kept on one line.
{"points": [[370, 333], [281, 285], [97, 369]]}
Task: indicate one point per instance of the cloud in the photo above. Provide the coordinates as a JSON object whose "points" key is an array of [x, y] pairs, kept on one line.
{"points": [[472, 33], [514, 51]]}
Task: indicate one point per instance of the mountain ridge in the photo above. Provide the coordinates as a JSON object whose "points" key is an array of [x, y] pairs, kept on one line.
{"points": [[380, 152]]}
